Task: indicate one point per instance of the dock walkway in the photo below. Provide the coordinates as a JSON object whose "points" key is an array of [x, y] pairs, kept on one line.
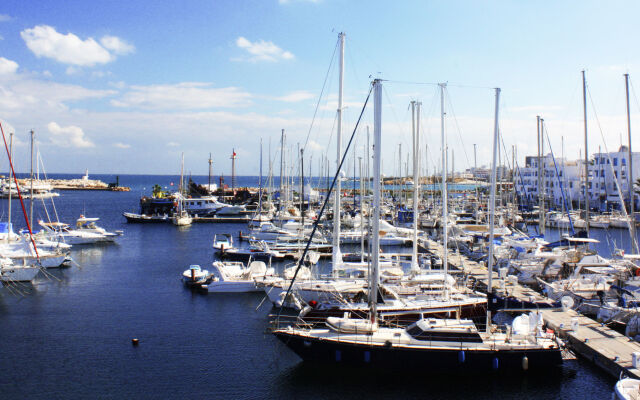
{"points": [[596, 342]]}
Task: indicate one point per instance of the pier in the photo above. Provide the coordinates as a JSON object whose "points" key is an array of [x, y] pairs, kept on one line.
{"points": [[606, 348]]}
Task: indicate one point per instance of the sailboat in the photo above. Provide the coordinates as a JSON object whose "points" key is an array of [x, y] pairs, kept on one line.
{"points": [[181, 216], [451, 343]]}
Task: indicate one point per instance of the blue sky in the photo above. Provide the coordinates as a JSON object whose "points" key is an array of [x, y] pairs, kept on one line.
{"points": [[126, 86]]}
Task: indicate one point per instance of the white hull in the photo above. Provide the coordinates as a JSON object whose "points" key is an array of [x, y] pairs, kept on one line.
{"points": [[18, 273], [232, 287]]}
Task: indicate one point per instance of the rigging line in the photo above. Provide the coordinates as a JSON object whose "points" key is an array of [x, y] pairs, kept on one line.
{"points": [[564, 199], [324, 205], [333, 56], [431, 112], [613, 173], [455, 120], [633, 90], [395, 116]]}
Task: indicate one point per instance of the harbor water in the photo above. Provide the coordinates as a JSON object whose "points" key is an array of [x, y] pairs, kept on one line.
{"points": [[70, 334]]}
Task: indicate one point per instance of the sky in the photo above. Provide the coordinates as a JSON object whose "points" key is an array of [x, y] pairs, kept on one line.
{"points": [[128, 86]]}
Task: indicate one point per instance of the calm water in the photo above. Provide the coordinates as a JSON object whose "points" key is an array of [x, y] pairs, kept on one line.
{"points": [[69, 336]]}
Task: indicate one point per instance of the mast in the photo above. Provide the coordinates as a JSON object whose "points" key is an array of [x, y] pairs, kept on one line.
{"points": [[586, 153], [541, 223], [375, 245], [260, 185], [302, 191], [31, 189], [10, 182], [233, 175], [415, 106], [336, 255], [632, 223], [210, 164], [281, 167], [445, 212], [492, 208], [180, 188]]}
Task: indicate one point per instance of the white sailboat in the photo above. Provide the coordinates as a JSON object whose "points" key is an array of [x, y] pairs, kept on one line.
{"points": [[181, 216]]}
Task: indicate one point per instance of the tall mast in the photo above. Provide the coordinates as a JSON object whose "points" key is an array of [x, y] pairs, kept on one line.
{"points": [[10, 183], [415, 113], [632, 223], [233, 175], [541, 223], [375, 245], [281, 167], [180, 188], [586, 153], [302, 190], [492, 208], [210, 164], [336, 256], [31, 190], [445, 212], [260, 185]]}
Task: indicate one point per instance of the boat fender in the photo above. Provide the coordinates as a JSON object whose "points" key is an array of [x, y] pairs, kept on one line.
{"points": [[387, 344], [496, 363], [525, 363], [461, 356]]}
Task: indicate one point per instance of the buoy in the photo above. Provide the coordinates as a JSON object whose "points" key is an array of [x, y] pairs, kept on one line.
{"points": [[495, 363], [461, 356], [525, 363], [135, 341]]}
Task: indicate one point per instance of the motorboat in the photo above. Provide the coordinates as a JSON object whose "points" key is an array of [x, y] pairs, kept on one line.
{"points": [[236, 277], [195, 276]]}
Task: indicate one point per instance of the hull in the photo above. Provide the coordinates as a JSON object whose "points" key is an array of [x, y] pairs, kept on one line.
{"points": [[390, 356], [18, 274], [142, 218], [232, 287]]}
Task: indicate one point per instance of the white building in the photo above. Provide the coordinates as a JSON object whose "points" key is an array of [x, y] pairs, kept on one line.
{"points": [[603, 169], [567, 180]]}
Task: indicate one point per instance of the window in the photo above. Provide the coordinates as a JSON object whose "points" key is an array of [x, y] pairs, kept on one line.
{"points": [[623, 161], [615, 161]]}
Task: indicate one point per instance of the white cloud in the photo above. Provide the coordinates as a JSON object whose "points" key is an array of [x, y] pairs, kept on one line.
{"points": [[5, 18], [263, 51], [7, 66], [173, 144], [299, 95], [186, 95], [117, 45], [122, 145], [68, 136], [45, 41]]}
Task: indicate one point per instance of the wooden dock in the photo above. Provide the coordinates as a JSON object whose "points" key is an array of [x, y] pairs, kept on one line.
{"points": [[596, 342]]}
